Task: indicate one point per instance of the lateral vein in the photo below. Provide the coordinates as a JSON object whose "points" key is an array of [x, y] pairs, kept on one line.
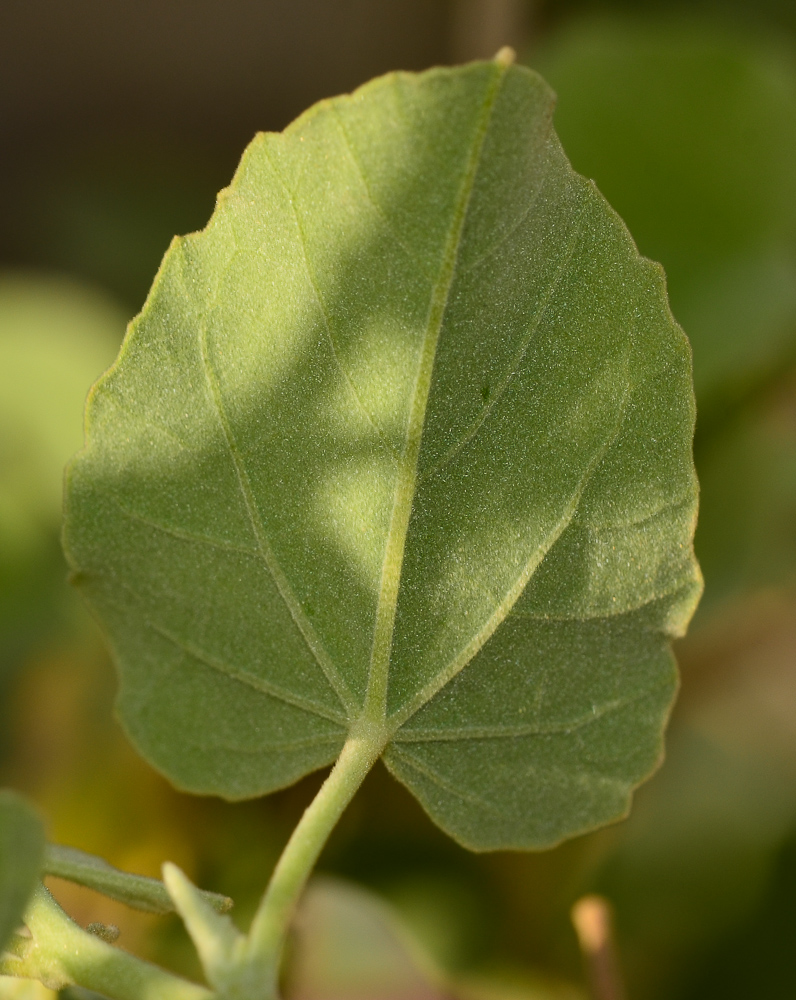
{"points": [[186, 536], [226, 669], [322, 309], [401, 716], [512, 368], [256, 683], [437, 779], [309, 634], [510, 732]]}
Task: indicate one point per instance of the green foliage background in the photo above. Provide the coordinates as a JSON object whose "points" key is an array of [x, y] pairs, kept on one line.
{"points": [[686, 119]]}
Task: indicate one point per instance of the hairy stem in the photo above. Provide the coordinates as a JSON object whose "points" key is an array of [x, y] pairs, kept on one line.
{"points": [[269, 929], [61, 953]]}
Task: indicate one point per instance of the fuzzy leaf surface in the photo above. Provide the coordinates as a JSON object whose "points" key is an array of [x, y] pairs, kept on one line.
{"points": [[21, 851], [402, 439]]}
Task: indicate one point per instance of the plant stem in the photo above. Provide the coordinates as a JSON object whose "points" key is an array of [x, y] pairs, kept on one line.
{"points": [[61, 953], [269, 928], [593, 921]]}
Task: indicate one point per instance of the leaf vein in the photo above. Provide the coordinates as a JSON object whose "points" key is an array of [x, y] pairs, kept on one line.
{"points": [[363, 177], [376, 696], [256, 683], [401, 716], [511, 371], [613, 614], [446, 786], [512, 229], [268, 748], [681, 501], [302, 240], [280, 580], [510, 732], [186, 536]]}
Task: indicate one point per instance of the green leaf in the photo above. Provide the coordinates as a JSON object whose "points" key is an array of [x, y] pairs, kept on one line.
{"points": [[400, 444], [747, 541], [351, 945], [137, 891], [21, 849], [219, 944], [56, 337]]}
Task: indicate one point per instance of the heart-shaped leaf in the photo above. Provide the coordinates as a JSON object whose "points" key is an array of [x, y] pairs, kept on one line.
{"points": [[401, 440], [21, 853]]}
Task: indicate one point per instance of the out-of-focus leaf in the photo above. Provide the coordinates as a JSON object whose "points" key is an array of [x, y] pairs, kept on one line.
{"points": [[756, 960], [56, 337], [748, 490], [137, 891], [401, 446], [108, 209], [695, 856], [21, 850], [350, 945], [690, 131]]}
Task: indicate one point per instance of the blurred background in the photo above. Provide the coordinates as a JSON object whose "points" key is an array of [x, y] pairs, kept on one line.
{"points": [[118, 124]]}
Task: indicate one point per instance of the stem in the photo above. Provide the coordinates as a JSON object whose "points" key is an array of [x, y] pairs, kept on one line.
{"points": [[593, 922], [269, 928], [62, 953]]}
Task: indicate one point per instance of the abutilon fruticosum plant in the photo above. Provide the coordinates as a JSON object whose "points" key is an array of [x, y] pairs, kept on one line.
{"points": [[394, 464]]}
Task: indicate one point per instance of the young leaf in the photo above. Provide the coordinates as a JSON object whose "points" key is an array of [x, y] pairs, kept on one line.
{"points": [[218, 942], [137, 891], [400, 444], [21, 849]]}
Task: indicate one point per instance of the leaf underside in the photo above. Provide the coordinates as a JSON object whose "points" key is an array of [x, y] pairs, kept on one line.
{"points": [[403, 434], [21, 851]]}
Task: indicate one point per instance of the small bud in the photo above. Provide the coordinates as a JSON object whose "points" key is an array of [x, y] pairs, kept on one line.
{"points": [[108, 932], [506, 56]]}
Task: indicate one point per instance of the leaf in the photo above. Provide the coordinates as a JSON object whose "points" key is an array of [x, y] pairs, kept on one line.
{"points": [[402, 440], [56, 336], [21, 848], [351, 945], [137, 891], [747, 542], [218, 942]]}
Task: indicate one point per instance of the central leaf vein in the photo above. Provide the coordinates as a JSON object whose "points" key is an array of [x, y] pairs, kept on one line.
{"points": [[375, 709]]}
